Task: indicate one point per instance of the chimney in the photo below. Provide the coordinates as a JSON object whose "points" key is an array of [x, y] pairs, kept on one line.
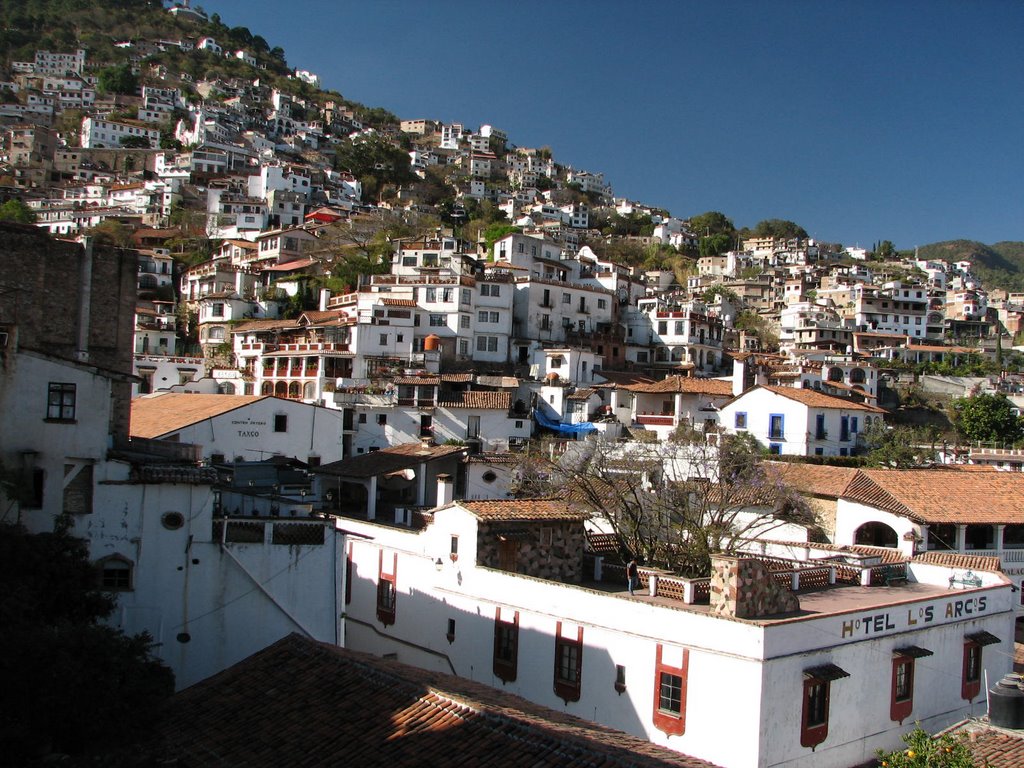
{"points": [[445, 490], [739, 375]]}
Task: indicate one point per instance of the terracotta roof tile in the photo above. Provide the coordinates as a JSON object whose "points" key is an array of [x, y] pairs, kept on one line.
{"points": [[582, 394], [498, 401], [418, 381], [398, 303], [332, 706], [686, 385], [957, 560], [522, 509], [457, 378], [815, 479], [942, 496], [814, 399], [264, 325], [154, 417], [990, 746]]}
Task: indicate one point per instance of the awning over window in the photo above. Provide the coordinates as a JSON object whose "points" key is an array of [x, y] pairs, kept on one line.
{"points": [[826, 672], [913, 651], [983, 638]]}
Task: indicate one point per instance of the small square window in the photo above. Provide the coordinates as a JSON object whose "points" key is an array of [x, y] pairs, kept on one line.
{"points": [[741, 420], [382, 419], [280, 422], [60, 403], [362, 418]]}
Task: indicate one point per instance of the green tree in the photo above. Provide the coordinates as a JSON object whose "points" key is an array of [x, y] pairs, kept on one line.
{"points": [[885, 250], [118, 79], [987, 418], [897, 447], [779, 228], [714, 245], [712, 223], [15, 210], [922, 751], [67, 682]]}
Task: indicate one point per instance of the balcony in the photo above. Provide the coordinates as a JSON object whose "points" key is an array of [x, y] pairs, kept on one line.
{"points": [[656, 419]]}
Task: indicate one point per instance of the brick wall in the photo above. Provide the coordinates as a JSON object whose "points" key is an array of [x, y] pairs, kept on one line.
{"points": [[41, 294], [556, 554], [745, 589]]}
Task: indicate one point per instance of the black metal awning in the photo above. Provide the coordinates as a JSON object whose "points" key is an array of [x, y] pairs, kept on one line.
{"points": [[912, 651], [983, 638], [826, 672]]}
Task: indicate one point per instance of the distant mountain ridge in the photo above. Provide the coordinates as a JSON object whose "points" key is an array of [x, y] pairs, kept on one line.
{"points": [[1000, 265]]}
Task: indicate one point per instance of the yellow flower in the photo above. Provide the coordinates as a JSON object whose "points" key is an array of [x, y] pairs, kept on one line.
{"points": [[910, 753]]}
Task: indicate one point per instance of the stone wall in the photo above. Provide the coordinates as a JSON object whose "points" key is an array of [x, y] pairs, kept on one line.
{"points": [[547, 551], [744, 588], [42, 295]]}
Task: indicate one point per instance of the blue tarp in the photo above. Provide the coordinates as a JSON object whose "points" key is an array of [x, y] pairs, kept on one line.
{"points": [[582, 428]]}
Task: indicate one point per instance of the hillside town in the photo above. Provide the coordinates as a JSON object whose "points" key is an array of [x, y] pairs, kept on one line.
{"points": [[314, 383]]}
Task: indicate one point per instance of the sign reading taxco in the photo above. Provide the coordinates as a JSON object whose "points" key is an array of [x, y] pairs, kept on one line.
{"points": [[248, 427], [912, 616]]}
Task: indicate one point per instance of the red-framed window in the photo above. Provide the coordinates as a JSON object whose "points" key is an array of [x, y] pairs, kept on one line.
{"points": [[568, 664], [670, 677], [904, 669], [817, 695], [506, 646], [970, 680], [387, 591]]}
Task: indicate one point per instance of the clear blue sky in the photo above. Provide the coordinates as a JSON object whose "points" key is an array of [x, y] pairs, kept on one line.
{"points": [[861, 121]]}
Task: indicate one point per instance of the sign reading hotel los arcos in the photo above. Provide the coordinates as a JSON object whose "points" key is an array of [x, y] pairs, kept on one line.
{"points": [[913, 616]]}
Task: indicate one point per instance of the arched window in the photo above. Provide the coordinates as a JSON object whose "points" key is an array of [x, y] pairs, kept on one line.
{"points": [[294, 390], [267, 388], [857, 376], [216, 333], [835, 374], [281, 389], [308, 391]]}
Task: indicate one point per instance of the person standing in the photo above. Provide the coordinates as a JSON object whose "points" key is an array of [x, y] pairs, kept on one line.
{"points": [[632, 574]]}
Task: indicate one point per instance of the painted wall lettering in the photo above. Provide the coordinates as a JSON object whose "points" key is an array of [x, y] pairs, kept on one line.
{"points": [[873, 624]]}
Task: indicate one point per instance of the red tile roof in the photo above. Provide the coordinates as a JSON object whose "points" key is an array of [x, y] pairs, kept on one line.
{"points": [[957, 560], [815, 479], [156, 416], [496, 401], [522, 509], [814, 399], [942, 496], [398, 302], [991, 747], [685, 385], [303, 702], [418, 381]]}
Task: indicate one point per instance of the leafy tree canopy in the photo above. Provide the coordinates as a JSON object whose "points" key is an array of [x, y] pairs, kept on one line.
{"points": [[897, 447], [922, 751], [118, 79], [779, 228], [715, 245], [712, 223], [67, 683], [988, 418], [15, 210]]}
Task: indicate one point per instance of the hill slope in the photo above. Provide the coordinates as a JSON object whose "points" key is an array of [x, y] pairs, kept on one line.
{"points": [[1000, 265]]}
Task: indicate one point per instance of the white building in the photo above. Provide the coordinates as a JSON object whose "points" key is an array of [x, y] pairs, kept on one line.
{"points": [[499, 591], [100, 133], [799, 422], [240, 427]]}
